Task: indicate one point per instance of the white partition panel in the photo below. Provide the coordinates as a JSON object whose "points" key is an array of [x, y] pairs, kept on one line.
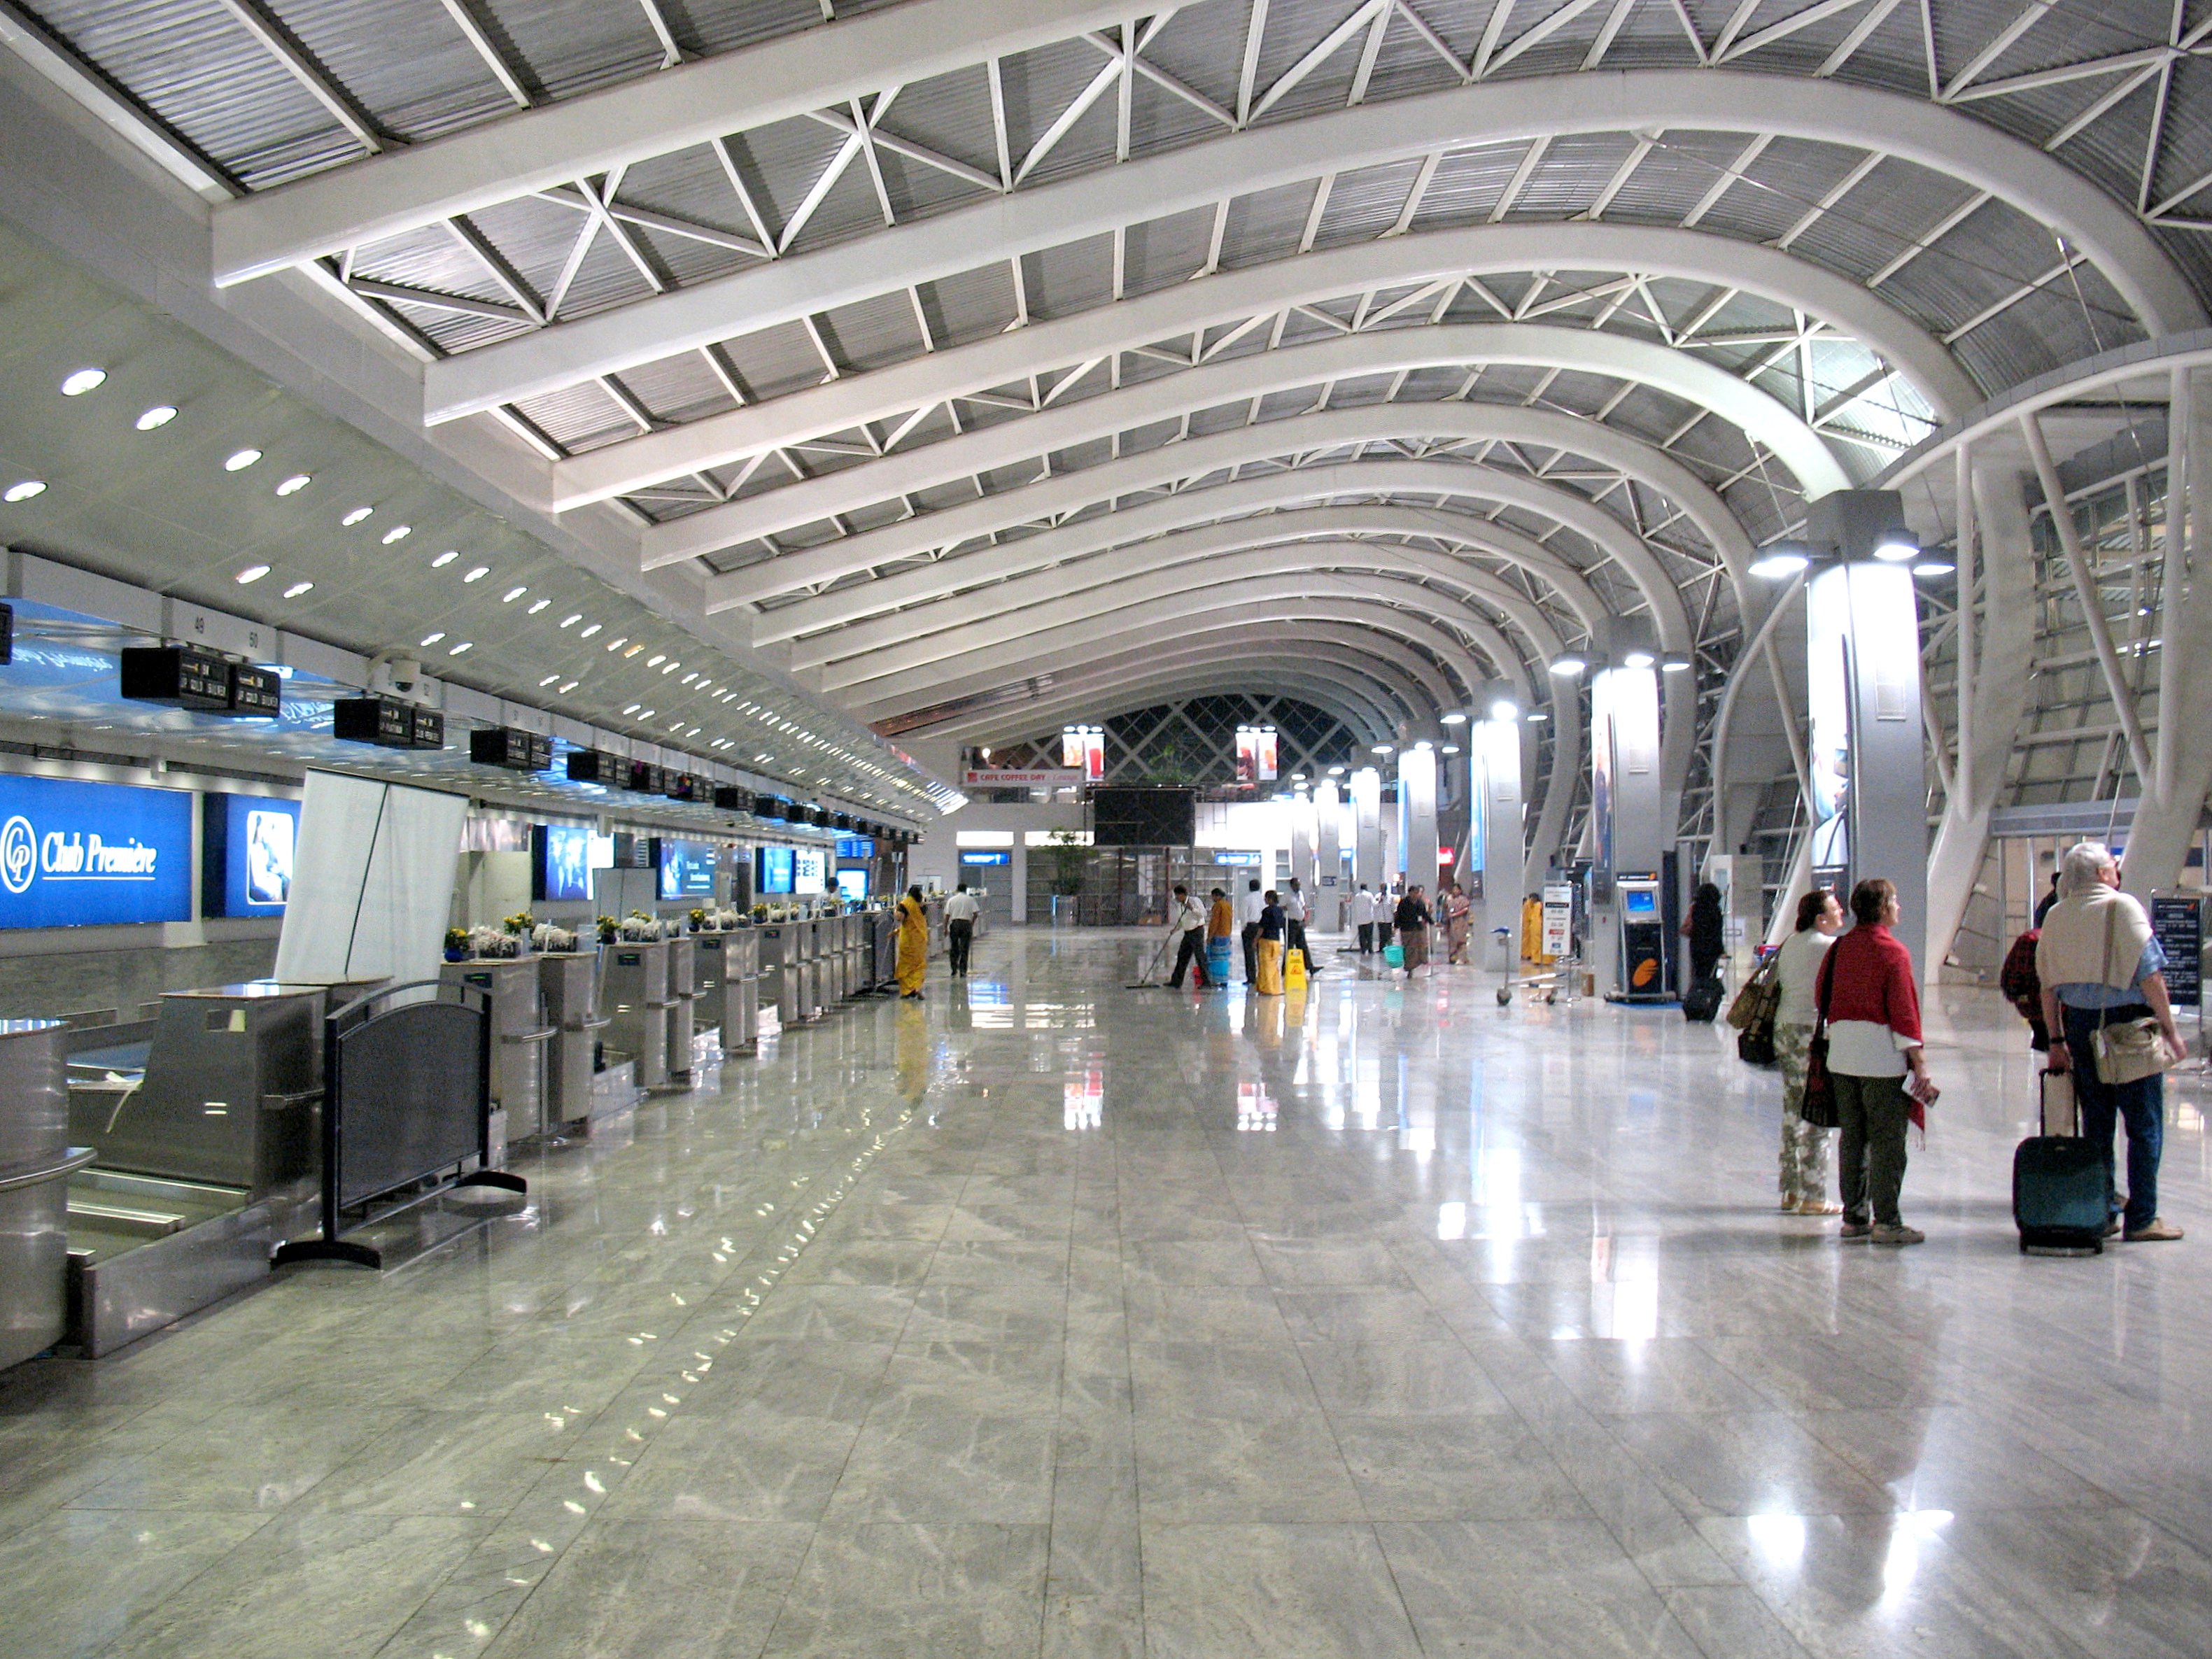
{"points": [[372, 881]]}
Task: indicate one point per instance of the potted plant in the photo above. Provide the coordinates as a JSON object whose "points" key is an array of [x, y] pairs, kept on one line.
{"points": [[456, 945], [610, 930]]}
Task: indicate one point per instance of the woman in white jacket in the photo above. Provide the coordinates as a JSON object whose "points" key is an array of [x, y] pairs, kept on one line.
{"points": [[1804, 1179]]}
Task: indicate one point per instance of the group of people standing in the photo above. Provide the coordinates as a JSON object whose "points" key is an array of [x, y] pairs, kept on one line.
{"points": [[1273, 925], [2097, 963], [1407, 912]]}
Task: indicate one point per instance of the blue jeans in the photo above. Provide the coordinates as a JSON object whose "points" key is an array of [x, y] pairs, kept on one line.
{"points": [[2141, 1104]]}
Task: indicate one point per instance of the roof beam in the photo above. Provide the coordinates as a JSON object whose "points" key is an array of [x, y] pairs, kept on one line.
{"points": [[1201, 175], [655, 115]]}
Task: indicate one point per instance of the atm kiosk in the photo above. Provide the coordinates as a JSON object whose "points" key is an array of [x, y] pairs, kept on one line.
{"points": [[1643, 939]]}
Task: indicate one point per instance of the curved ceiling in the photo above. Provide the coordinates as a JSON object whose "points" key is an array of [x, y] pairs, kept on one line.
{"points": [[930, 334]]}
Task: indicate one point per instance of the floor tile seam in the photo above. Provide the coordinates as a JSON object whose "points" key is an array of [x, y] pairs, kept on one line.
{"points": [[268, 1519], [613, 1488]]}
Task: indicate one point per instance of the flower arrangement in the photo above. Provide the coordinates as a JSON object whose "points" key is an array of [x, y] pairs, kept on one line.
{"points": [[493, 943], [521, 922], [610, 930], [456, 945], [547, 937]]}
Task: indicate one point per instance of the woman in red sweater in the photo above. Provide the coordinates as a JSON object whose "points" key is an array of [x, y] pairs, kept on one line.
{"points": [[1865, 987]]}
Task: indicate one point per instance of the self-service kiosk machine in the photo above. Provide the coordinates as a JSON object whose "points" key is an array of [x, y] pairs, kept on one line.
{"points": [[1643, 939]]}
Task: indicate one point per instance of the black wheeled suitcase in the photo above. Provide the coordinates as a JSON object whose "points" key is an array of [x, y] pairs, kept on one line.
{"points": [[2060, 1190], [1702, 1001]]}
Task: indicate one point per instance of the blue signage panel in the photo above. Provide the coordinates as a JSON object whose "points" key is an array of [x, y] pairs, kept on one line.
{"points": [[687, 869], [774, 869], [563, 870], [987, 858], [246, 865], [853, 885], [856, 846], [83, 854]]}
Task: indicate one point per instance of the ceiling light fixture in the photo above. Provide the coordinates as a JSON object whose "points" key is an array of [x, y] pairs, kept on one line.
{"points": [[24, 491], [1455, 718], [512, 595], [1449, 749], [1773, 566], [633, 708], [432, 639], [291, 486], [478, 573], [1637, 660], [455, 651], [566, 687], [298, 588], [547, 681], [80, 381], [1934, 568], [1895, 546], [655, 660], [588, 632], [1673, 664], [1568, 663], [240, 459], [252, 573], [398, 532], [1505, 709], [356, 516], [537, 606], [156, 418], [444, 559]]}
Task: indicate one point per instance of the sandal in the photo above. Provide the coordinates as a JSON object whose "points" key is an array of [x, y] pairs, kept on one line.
{"points": [[1819, 1207]]}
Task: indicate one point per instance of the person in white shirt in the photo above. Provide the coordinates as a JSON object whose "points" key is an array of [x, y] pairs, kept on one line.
{"points": [[1294, 901], [1249, 913], [960, 912], [1804, 1178], [1362, 919], [1187, 921]]}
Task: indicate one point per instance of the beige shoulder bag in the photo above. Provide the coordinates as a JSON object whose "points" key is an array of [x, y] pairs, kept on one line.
{"points": [[2133, 1049]]}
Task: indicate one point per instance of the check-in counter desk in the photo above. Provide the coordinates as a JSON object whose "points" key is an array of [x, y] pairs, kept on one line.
{"points": [[520, 1034], [36, 1161], [882, 946], [856, 953], [634, 994], [809, 967], [568, 981], [725, 970], [204, 1125], [683, 991]]}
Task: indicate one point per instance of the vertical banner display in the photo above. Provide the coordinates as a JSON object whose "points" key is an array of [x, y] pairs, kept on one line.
{"points": [[1367, 828], [1247, 754], [1417, 816], [1070, 747], [246, 845], [1868, 761], [1494, 781], [1269, 769], [372, 881], [1094, 754], [1626, 815]]}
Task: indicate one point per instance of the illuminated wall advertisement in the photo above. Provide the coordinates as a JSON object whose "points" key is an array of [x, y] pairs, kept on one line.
{"points": [[853, 885], [85, 855], [561, 866], [246, 863], [1828, 694], [809, 871], [1255, 754], [1082, 748], [776, 869], [687, 869]]}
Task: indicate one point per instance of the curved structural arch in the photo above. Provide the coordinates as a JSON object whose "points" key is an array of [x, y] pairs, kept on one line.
{"points": [[1368, 135], [1345, 698], [919, 631], [1228, 297]]}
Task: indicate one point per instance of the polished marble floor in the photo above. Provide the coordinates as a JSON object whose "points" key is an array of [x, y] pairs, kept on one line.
{"points": [[1051, 1318]]}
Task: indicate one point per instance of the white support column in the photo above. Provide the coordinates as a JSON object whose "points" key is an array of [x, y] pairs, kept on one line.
{"points": [[1303, 829], [2165, 824], [2003, 612], [1328, 855], [1494, 790], [1416, 815], [1367, 840]]}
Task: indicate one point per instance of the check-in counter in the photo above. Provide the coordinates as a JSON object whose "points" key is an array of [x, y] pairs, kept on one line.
{"points": [[778, 970], [36, 1161], [520, 1036], [568, 980], [806, 994], [633, 995], [856, 968], [882, 946], [683, 991], [725, 968]]}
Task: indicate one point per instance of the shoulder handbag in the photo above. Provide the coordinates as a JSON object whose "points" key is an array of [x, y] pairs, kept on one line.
{"points": [[1819, 1107], [1755, 1004], [2133, 1049]]}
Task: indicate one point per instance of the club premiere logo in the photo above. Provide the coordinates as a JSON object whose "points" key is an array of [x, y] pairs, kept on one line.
{"points": [[72, 856], [19, 854]]}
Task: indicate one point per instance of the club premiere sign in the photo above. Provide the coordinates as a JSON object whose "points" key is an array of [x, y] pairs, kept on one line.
{"points": [[83, 854]]}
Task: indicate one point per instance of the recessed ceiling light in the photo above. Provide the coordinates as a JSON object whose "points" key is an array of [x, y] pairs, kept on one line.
{"points": [[655, 660], [444, 559], [548, 680], [298, 588], [646, 713], [478, 573], [432, 639], [567, 687], [24, 491], [160, 415], [83, 380], [632, 709], [537, 606], [291, 486], [356, 516], [398, 532], [671, 668], [633, 651], [512, 595], [687, 679], [252, 573], [240, 460], [455, 651]]}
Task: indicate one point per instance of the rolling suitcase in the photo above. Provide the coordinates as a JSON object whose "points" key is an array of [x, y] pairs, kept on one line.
{"points": [[1702, 1001], [2060, 1191]]}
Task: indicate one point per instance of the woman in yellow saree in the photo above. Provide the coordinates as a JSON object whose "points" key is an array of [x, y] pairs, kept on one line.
{"points": [[912, 943]]}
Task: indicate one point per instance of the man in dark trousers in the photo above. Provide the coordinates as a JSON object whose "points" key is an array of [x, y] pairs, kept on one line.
{"points": [[1295, 912], [1186, 922], [1253, 903], [960, 912]]}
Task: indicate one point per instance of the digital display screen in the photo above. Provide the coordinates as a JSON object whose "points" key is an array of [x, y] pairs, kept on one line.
{"points": [[247, 862], [987, 858], [74, 855], [853, 885], [687, 869], [809, 871], [856, 846], [776, 869], [561, 868], [1640, 902]]}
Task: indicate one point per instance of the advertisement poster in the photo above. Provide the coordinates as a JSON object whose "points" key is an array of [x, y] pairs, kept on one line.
{"points": [[852, 886], [1255, 754], [776, 869], [687, 869], [1828, 695], [1600, 806], [809, 871], [246, 865], [83, 854], [563, 872]]}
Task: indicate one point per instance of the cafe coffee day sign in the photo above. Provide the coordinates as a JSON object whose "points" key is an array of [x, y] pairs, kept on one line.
{"points": [[81, 854]]}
